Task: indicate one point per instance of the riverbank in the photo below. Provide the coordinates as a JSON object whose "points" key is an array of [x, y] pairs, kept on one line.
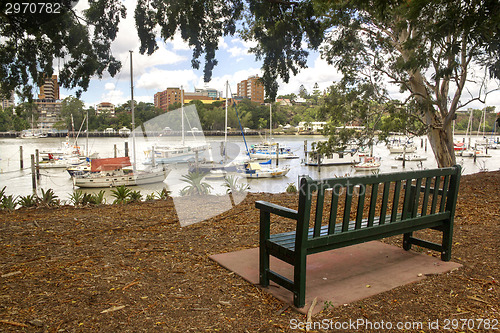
{"points": [[132, 268]]}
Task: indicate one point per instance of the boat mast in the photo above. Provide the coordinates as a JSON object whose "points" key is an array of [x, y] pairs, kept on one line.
{"points": [[225, 123], [87, 139], [182, 114], [132, 108], [270, 120]]}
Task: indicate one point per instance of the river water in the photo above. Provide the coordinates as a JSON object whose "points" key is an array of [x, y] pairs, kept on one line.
{"points": [[19, 182]]}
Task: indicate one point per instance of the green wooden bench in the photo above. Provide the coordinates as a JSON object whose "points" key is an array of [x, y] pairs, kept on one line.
{"points": [[393, 206]]}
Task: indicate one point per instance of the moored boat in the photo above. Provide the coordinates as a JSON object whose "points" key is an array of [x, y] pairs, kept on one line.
{"points": [[368, 164], [256, 170], [267, 150], [411, 157], [112, 172]]}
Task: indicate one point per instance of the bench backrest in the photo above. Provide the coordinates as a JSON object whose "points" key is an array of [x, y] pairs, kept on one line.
{"points": [[373, 200]]}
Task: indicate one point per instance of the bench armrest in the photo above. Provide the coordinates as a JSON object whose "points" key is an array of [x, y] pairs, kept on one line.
{"points": [[276, 209]]}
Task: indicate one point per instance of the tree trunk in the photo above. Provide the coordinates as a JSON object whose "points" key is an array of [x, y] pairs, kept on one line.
{"points": [[441, 140]]}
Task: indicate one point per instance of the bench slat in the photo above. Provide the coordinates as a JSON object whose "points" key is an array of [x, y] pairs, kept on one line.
{"points": [[407, 198], [373, 204], [333, 212], [445, 192], [435, 194], [347, 208], [425, 200], [361, 205], [395, 201], [320, 198], [385, 200], [381, 231], [416, 196]]}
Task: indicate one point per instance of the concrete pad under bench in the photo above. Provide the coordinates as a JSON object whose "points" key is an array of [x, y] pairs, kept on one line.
{"points": [[343, 275]]}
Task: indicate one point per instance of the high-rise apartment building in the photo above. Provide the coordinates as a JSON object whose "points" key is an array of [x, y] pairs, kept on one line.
{"points": [[7, 103], [251, 88], [164, 99], [50, 89], [48, 104]]}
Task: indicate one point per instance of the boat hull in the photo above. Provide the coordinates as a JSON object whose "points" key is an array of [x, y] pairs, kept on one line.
{"points": [[102, 181], [272, 173]]}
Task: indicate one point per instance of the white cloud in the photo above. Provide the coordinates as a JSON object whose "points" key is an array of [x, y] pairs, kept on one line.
{"points": [[319, 72], [158, 79], [178, 43], [109, 86]]}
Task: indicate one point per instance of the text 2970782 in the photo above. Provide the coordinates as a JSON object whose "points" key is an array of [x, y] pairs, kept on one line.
{"points": [[16, 8]]}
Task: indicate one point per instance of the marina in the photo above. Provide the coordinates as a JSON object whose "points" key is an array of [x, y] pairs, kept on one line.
{"points": [[18, 182]]}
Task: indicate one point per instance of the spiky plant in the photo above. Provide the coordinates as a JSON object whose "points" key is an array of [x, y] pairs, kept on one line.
{"points": [[48, 199], [164, 194], [8, 202], [291, 188], [98, 198], [76, 198], [27, 201], [150, 197], [231, 183], [121, 194], [195, 185], [135, 196]]}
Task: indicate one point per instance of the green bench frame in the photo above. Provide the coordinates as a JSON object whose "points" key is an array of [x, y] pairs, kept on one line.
{"points": [[432, 206]]}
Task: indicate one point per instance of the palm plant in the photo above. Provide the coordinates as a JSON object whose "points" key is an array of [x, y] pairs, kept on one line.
{"points": [[77, 198], [2, 193], [195, 185], [98, 198], [150, 197], [121, 194], [291, 188], [27, 201], [164, 194], [8, 202], [231, 183], [135, 196], [48, 199]]}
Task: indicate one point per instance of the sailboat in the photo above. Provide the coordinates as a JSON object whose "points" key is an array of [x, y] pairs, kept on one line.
{"points": [[176, 153], [112, 172], [32, 133], [271, 150]]}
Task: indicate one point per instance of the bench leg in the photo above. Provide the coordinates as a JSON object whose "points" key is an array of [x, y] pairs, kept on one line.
{"points": [[447, 241], [264, 234], [407, 241], [299, 282], [263, 266]]}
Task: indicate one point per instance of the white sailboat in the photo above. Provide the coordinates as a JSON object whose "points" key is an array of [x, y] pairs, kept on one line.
{"points": [[271, 150], [180, 153], [113, 172], [345, 157], [257, 170]]}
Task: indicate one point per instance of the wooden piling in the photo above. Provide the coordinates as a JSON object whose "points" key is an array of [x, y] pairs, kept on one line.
{"points": [[21, 162], [33, 173], [277, 153], [37, 164]]}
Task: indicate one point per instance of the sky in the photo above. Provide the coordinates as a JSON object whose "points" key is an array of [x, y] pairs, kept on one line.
{"points": [[170, 66]]}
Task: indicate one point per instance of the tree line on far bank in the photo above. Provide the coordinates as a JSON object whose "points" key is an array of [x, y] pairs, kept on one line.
{"points": [[212, 116]]}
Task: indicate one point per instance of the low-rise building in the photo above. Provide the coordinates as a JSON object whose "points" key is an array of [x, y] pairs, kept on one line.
{"points": [[105, 108]]}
